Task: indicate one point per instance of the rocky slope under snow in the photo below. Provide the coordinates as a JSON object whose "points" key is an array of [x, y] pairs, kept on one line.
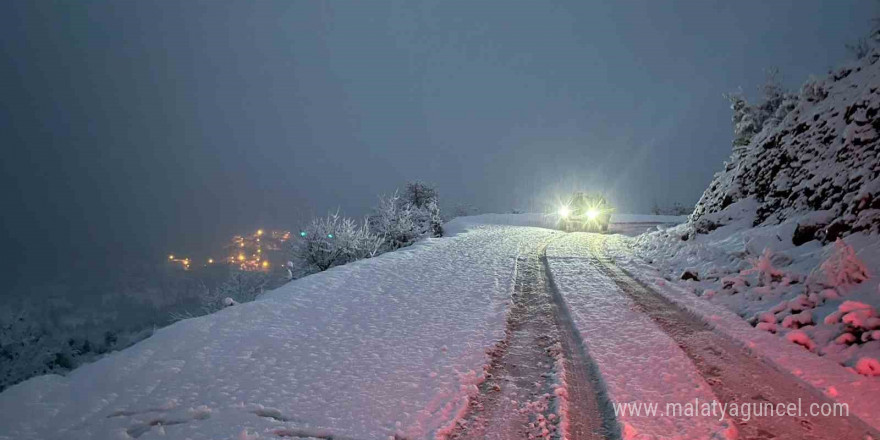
{"points": [[786, 235], [823, 158]]}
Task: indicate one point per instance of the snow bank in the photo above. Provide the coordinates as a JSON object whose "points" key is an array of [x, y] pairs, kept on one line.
{"points": [[761, 275], [756, 286], [387, 346]]}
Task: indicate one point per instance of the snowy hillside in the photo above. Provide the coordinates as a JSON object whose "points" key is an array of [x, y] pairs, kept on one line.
{"points": [[822, 158], [786, 234]]}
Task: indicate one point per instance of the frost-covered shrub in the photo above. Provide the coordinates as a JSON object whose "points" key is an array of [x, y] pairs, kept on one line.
{"points": [[843, 267], [332, 241], [745, 121], [763, 268], [402, 219], [750, 119], [394, 221], [423, 201], [428, 220]]}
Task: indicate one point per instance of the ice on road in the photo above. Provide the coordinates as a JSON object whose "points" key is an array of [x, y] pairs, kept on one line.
{"points": [[381, 347]]}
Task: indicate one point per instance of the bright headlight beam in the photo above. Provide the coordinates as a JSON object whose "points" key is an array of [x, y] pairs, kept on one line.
{"points": [[593, 214], [564, 211]]}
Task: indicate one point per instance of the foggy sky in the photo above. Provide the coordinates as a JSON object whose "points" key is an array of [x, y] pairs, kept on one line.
{"points": [[131, 129]]}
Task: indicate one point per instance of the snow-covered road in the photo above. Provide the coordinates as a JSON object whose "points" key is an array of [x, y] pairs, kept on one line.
{"points": [[381, 347], [511, 331], [672, 356], [540, 384]]}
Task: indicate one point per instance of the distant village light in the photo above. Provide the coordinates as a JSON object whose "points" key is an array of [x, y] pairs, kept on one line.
{"points": [[250, 255], [302, 234]]}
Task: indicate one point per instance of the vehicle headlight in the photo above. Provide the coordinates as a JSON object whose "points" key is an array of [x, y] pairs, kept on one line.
{"points": [[564, 212], [593, 214]]}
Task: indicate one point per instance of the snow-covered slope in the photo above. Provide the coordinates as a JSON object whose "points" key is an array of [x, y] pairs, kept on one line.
{"points": [[786, 235], [381, 347], [822, 158], [799, 292]]}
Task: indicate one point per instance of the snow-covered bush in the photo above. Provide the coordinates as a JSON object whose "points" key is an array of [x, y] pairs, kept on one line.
{"points": [[843, 267], [749, 120], [402, 219], [423, 201], [394, 221], [763, 267], [745, 121], [332, 241]]}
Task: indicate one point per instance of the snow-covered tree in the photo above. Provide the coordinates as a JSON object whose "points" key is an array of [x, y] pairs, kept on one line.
{"points": [[401, 220], [393, 220], [745, 122], [420, 194], [750, 119], [332, 241], [423, 200]]}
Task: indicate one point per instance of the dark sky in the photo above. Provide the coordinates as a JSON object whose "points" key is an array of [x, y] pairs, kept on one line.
{"points": [[131, 128]]}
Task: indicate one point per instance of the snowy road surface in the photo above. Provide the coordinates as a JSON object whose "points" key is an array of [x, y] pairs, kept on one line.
{"points": [[495, 332], [539, 383], [673, 356], [381, 347]]}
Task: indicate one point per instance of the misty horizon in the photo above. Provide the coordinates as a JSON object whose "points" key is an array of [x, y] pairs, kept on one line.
{"points": [[138, 129]]}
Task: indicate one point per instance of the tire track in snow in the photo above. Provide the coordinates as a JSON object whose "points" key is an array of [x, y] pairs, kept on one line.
{"points": [[733, 372], [590, 413], [540, 383]]}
